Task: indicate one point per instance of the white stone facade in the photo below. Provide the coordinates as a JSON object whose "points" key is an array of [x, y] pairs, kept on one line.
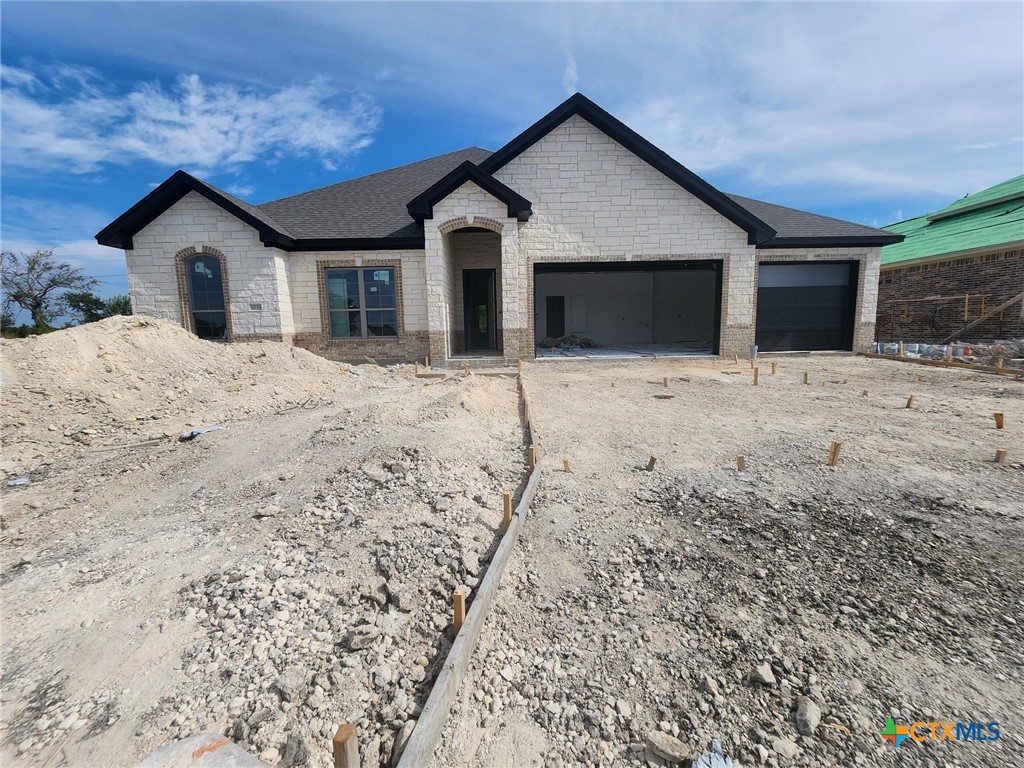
{"points": [[256, 276], [592, 200]]}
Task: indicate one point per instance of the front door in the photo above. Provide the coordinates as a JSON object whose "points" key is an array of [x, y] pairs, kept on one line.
{"points": [[479, 307]]}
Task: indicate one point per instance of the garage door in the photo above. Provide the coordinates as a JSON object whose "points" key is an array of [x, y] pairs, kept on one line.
{"points": [[806, 307]]}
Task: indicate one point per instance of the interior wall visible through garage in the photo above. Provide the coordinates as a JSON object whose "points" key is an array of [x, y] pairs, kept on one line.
{"points": [[621, 308]]}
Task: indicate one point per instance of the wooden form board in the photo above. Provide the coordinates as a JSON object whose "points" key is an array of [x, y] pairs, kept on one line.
{"points": [[426, 736], [943, 364]]}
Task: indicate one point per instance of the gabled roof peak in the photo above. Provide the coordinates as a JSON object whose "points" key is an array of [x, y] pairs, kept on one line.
{"points": [[578, 104], [422, 206]]}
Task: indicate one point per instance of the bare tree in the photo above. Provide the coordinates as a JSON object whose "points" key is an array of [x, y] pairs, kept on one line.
{"points": [[36, 282]]}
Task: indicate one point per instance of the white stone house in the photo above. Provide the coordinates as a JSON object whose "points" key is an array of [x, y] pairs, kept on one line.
{"points": [[578, 226]]}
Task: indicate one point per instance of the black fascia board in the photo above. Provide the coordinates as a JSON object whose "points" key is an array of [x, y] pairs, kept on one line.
{"points": [[578, 104], [422, 206], [120, 232], [824, 241]]}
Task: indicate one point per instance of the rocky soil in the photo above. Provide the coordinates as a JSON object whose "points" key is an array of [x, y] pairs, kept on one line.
{"points": [[270, 580], [785, 611]]}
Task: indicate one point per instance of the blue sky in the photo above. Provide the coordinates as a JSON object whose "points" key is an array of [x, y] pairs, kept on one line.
{"points": [[867, 112]]}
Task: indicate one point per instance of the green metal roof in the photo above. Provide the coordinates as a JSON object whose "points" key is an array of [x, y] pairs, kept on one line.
{"points": [[986, 219]]}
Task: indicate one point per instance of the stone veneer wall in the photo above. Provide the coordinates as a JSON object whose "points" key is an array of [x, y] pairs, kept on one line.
{"points": [[998, 276], [258, 301], [594, 200]]}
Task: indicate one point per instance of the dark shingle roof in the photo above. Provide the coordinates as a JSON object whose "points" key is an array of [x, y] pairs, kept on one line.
{"points": [[369, 206], [792, 223], [372, 212], [253, 210]]}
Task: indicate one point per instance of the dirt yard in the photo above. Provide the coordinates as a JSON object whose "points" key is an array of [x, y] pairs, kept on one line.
{"points": [[787, 610], [294, 570], [269, 580]]}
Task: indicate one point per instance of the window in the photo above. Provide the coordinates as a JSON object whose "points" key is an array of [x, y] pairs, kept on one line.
{"points": [[362, 303], [206, 297]]}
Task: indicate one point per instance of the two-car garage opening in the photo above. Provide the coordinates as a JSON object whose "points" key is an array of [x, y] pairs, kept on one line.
{"points": [[674, 308], [616, 309]]}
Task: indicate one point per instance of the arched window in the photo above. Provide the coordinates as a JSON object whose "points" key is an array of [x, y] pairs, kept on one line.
{"points": [[206, 297]]}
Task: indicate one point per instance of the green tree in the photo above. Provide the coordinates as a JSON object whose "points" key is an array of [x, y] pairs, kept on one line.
{"points": [[87, 307], [84, 306], [37, 282], [119, 304]]}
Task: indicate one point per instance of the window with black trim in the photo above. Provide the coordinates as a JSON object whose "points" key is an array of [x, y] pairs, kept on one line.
{"points": [[362, 303], [206, 297]]}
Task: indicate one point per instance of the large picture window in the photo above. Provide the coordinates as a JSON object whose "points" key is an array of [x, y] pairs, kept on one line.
{"points": [[362, 303], [206, 297]]}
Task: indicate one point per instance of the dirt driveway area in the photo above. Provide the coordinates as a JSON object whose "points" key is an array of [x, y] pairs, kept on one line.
{"points": [[787, 610]]}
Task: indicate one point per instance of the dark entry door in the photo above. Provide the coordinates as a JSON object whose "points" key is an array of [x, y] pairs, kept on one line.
{"points": [[479, 307], [806, 307], [556, 316]]}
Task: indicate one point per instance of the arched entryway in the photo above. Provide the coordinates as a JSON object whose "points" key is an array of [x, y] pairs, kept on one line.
{"points": [[207, 301]]}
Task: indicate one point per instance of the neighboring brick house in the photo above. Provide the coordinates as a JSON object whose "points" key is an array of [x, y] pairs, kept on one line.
{"points": [[577, 226], [955, 266]]}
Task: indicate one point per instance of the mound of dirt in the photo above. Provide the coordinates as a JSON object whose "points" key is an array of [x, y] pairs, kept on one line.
{"points": [[127, 378]]}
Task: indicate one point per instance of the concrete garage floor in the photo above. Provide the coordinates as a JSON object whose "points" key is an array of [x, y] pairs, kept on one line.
{"points": [[654, 351]]}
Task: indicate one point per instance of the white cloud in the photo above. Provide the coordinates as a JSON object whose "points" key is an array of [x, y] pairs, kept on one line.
{"points": [[68, 119], [240, 190], [571, 77]]}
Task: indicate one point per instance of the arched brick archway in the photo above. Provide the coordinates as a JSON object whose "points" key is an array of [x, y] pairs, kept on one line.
{"points": [[462, 222]]}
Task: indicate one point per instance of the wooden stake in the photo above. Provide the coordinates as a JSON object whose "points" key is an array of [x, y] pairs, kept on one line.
{"points": [[427, 361], [900, 347], [1000, 456], [999, 363], [506, 509], [417, 367], [664, 381], [833, 453], [465, 369], [651, 463], [999, 420], [520, 366], [459, 607], [755, 375], [531, 458], [773, 368], [910, 402], [735, 358], [566, 467], [805, 378], [346, 747], [526, 413], [741, 463]]}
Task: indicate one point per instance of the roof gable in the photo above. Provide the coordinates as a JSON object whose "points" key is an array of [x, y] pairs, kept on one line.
{"points": [[119, 233], [422, 206], [578, 104]]}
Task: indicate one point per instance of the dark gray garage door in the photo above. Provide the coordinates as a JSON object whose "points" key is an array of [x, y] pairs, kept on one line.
{"points": [[806, 307]]}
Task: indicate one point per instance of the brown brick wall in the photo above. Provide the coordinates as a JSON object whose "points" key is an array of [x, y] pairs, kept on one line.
{"points": [[909, 311]]}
